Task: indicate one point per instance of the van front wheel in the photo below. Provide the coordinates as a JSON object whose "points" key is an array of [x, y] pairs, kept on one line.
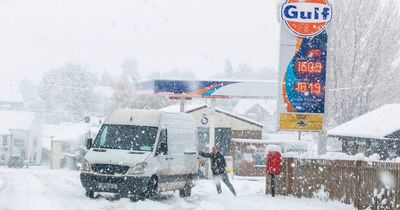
{"points": [[187, 190], [89, 193], [151, 190]]}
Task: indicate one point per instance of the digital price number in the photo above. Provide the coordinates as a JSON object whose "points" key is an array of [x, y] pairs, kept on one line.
{"points": [[309, 66], [308, 87]]}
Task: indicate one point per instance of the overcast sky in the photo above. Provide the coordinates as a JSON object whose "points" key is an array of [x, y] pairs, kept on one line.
{"points": [[196, 35]]}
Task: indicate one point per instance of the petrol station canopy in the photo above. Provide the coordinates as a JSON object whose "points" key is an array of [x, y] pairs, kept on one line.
{"points": [[207, 88]]}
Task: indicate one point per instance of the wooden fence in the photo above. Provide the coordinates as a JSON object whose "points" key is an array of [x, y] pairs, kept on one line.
{"points": [[364, 184]]}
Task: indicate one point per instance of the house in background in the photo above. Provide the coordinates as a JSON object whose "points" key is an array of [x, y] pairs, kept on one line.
{"points": [[5, 143], [377, 131], [21, 135], [227, 126], [260, 110], [250, 155], [64, 143]]}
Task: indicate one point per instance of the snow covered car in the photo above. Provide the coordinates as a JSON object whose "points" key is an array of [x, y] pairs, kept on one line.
{"points": [[16, 162], [138, 153]]}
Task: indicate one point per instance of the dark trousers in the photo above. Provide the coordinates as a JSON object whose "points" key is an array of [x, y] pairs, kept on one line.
{"points": [[225, 179]]}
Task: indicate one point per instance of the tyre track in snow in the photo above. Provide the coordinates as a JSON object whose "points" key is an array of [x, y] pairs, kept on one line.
{"points": [[3, 182], [39, 188], [24, 190]]}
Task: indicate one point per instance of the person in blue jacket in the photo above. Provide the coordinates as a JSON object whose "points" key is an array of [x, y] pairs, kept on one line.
{"points": [[218, 165]]}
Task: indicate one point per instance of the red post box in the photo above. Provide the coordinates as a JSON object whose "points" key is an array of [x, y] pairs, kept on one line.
{"points": [[274, 166], [274, 163]]}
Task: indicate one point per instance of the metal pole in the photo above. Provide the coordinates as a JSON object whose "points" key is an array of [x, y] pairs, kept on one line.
{"points": [[323, 137], [322, 143], [273, 185], [211, 124], [182, 105]]}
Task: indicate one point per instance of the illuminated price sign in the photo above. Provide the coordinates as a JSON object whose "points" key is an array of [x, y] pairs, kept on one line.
{"points": [[311, 74], [308, 87], [309, 67], [304, 79]]}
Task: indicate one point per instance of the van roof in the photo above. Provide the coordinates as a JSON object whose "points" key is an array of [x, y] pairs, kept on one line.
{"points": [[145, 117], [134, 117]]}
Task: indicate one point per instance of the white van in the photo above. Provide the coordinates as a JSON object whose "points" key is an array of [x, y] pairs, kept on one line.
{"points": [[138, 153]]}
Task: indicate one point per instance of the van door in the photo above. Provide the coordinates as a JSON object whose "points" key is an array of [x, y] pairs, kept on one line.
{"points": [[163, 160], [183, 147]]}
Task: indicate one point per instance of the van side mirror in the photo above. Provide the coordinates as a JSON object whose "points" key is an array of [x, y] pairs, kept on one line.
{"points": [[162, 149], [89, 143]]}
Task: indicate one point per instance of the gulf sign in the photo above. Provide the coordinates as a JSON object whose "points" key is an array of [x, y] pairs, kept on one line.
{"points": [[306, 18]]}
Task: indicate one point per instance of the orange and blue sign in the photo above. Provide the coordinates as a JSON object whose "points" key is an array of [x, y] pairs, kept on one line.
{"points": [[303, 64], [206, 88], [306, 18]]}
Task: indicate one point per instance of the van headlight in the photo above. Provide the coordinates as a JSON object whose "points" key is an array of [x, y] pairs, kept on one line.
{"points": [[86, 166], [139, 168]]}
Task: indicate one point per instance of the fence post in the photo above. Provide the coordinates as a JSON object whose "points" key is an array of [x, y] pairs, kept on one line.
{"points": [[358, 183], [289, 176]]}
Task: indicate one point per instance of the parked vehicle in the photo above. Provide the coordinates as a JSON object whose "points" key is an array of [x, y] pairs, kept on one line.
{"points": [[16, 162], [138, 153]]}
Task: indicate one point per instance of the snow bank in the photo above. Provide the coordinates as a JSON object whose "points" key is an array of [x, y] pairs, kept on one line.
{"points": [[40, 188], [338, 156]]}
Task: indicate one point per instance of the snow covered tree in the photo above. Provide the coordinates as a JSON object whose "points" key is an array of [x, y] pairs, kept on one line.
{"points": [[67, 92], [124, 93], [106, 79], [364, 44], [28, 91], [228, 69]]}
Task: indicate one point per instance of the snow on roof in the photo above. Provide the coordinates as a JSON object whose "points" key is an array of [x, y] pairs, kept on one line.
{"points": [[65, 131], [246, 104], [4, 130], [177, 107], [15, 120], [194, 107], [68, 132], [375, 124], [9, 93], [280, 138]]}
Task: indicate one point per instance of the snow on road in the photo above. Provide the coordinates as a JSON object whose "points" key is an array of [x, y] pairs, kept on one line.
{"points": [[39, 188]]}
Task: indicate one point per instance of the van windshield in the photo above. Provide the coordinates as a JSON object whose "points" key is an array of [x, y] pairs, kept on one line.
{"points": [[126, 137]]}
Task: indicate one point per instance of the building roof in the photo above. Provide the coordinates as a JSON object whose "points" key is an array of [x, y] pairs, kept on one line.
{"points": [[9, 93], [15, 120], [195, 107], [4, 130], [188, 107], [282, 137], [67, 132], [377, 124], [244, 105]]}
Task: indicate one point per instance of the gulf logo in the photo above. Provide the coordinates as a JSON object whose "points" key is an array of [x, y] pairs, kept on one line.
{"points": [[306, 18]]}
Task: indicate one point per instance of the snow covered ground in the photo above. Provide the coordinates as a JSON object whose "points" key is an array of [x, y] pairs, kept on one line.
{"points": [[39, 188]]}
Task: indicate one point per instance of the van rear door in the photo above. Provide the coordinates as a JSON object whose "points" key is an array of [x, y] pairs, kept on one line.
{"points": [[182, 150]]}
